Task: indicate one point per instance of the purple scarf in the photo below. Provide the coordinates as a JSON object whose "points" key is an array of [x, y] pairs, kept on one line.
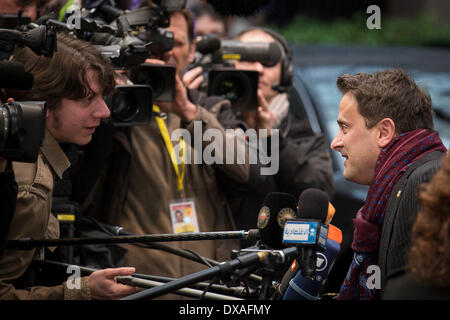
{"points": [[392, 163]]}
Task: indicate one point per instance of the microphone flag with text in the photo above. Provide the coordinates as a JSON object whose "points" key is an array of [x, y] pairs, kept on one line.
{"points": [[314, 214], [276, 208], [304, 288]]}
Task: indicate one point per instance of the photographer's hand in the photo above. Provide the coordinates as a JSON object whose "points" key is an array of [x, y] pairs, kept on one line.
{"points": [[194, 78], [180, 105], [264, 117], [122, 78], [103, 284]]}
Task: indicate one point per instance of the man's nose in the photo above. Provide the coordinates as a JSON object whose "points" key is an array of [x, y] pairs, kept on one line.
{"points": [[258, 67], [101, 111], [336, 144]]}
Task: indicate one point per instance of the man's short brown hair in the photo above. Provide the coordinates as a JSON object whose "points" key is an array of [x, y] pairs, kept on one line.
{"points": [[389, 94]]}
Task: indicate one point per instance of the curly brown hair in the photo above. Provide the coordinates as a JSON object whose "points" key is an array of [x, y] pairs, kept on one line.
{"points": [[389, 94], [429, 256]]}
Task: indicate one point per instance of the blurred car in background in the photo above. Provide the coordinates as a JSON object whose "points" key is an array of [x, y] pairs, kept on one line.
{"points": [[316, 69]]}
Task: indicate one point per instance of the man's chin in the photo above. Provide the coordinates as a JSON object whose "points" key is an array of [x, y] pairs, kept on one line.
{"points": [[355, 178], [83, 141], [349, 176]]}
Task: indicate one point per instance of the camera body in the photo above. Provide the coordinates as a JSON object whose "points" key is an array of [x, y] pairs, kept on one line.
{"points": [[131, 105], [22, 130], [239, 86], [160, 77], [22, 124], [128, 40]]}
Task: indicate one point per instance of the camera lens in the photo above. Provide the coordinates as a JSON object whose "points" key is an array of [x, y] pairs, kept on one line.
{"points": [[11, 114], [232, 86], [238, 86], [22, 130], [4, 125], [130, 105], [124, 107]]}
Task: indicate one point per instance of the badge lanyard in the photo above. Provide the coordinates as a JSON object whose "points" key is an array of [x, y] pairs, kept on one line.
{"points": [[173, 158]]}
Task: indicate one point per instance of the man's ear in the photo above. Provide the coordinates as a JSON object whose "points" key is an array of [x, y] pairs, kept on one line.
{"points": [[386, 132]]}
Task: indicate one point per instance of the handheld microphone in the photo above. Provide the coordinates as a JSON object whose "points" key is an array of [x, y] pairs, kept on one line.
{"points": [[304, 288], [312, 204], [276, 208]]}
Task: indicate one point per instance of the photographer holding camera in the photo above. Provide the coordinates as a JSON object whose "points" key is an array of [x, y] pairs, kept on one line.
{"points": [[73, 83], [141, 187], [303, 155]]}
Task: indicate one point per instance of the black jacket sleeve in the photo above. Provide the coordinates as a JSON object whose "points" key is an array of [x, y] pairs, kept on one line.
{"points": [[400, 216], [8, 196]]}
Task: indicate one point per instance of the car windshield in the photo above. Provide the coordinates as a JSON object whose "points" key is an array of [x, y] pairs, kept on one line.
{"points": [[321, 82]]}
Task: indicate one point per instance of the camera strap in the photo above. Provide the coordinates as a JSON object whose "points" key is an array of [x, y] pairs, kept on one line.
{"points": [[169, 146]]}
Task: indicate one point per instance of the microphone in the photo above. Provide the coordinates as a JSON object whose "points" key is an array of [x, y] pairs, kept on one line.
{"points": [[223, 270], [276, 208], [267, 53], [315, 204], [14, 77], [207, 44], [303, 288]]}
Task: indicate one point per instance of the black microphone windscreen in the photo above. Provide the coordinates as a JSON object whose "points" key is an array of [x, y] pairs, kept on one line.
{"points": [[14, 77], [277, 207], [268, 53], [238, 7], [313, 204], [207, 44]]}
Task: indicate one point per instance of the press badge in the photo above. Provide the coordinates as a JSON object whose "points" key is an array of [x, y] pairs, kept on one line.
{"points": [[183, 216]]}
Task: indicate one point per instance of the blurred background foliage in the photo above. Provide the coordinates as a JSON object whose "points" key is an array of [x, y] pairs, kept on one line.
{"points": [[422, 30]]}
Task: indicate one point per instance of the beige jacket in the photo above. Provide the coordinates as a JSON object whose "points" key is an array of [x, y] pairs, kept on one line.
{"points": [[153, 185], [33, 218]]}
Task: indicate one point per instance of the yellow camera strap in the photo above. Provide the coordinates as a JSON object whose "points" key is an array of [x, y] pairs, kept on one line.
{"points": [[63, 10], [169, 146]]}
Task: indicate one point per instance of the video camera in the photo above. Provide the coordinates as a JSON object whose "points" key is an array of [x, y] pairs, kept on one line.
{"points": [[238, 86], [22, 124], [128, 38]]}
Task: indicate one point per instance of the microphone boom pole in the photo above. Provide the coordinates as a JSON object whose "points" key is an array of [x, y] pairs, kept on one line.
{"points": [[28, 243], [223, 269], [188, 292]]}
